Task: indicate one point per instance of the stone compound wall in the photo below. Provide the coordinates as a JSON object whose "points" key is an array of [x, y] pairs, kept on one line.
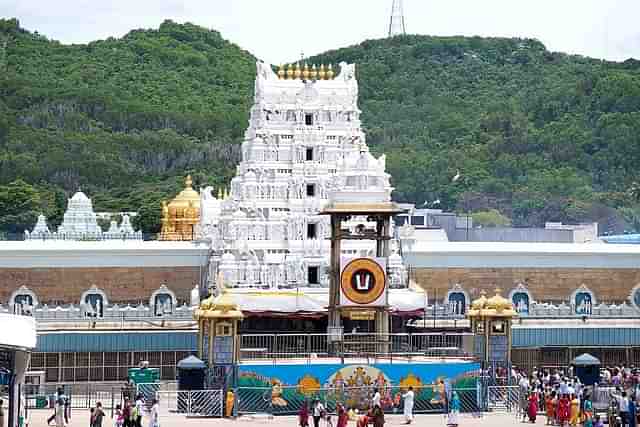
{"points": [[121, 284], [545, 284]]}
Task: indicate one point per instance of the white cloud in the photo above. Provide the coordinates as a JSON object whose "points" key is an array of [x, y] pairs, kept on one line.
{"points": [[280, 30]]}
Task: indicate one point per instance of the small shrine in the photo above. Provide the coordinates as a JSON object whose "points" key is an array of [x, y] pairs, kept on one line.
{"points": [[181, 215], [491, 320], [218, 342]]}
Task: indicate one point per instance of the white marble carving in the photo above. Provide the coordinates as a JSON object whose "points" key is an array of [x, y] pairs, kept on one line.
{"points": [[304, 145]]}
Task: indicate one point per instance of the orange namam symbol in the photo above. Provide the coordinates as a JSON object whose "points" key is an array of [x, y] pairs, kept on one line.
{"points": [[362, 281]]}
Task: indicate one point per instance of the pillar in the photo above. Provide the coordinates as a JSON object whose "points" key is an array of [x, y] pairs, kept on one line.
{"points": [[200, 338], [382, 313], [334, 282], [212, 332]]}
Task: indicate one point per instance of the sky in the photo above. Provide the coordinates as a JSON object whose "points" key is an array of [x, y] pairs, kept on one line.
{"points": [[282, 30]]}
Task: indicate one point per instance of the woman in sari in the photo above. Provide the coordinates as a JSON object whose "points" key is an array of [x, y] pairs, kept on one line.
{"points": [[378, 416], [563, 410], [550, 407], [587, 412], [532, 408], [575, 411]]}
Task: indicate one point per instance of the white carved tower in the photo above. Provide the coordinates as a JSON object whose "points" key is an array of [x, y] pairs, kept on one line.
{"points": [[304, 135]]}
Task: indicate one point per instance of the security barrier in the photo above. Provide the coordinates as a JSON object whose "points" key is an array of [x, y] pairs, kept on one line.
{"points": [[191, 403]]}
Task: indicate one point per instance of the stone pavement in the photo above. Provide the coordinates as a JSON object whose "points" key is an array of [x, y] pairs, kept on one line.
{"points": [[80, 418]]}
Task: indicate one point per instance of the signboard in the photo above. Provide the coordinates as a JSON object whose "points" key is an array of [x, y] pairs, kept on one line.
{"points": [[363, 282], [362, 315], [144, 375]]}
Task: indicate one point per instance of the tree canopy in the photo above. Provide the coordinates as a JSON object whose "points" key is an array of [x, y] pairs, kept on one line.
{"points": [[535, 135]]}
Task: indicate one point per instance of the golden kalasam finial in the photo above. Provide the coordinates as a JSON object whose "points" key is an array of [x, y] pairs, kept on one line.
{"points": [[290, 72], [226, 193], [297, 71], [165, 210], [305, 72], [281, 73], [314, 72], [188, 182], [321, 73], [219, 193], [330, 73]]}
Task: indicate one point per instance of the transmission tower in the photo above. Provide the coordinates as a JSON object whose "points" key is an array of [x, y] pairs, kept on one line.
{"points": [[396, 24]]}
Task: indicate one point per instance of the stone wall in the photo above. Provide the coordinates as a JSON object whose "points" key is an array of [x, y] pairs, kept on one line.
{"points": [[545, 284], [121, 284]]}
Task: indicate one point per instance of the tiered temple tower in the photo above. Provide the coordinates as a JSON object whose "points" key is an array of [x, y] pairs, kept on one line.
{"points": [[80, 223], [303, 142]]}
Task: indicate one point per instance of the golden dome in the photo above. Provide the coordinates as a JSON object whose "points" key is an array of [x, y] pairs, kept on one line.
{"points": [[185, 196], [480, 302], [314, 72], [305, 72], [222, 306], [297, 71], [181, 214], [281, 72], [498, 302], [496, 306]]}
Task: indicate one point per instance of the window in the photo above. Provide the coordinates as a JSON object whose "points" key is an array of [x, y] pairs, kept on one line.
{"points": [[308, 119], [223, 329], [417, 220], [313, 275], [311, 190], [312, 231], [309, 154]]}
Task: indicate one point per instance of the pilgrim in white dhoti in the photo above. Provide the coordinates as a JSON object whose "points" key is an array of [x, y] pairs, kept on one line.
{"points": [[408, 405]]}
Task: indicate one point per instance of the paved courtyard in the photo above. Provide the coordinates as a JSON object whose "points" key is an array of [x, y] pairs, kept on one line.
{"points": [[80, 418]]}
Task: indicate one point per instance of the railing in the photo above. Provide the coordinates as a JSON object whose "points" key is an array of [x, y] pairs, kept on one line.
{"points": [[112, 313], [191, 403], [429, 398], [283, 346], [79, 395]]}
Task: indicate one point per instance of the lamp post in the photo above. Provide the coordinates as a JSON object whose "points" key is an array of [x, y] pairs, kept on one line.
{"points": [[465, 209]]}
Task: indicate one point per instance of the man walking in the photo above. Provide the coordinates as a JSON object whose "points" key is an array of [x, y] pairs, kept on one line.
{"points": [[408, 405]]}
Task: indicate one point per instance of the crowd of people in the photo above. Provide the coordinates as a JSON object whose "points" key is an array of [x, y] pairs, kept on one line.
{"points": [[129, 414], [565, 401], [374, 416]]}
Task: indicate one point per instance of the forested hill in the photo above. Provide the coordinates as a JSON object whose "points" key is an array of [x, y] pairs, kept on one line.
{"points": [[125, 119], [536, 135], [539, 136]]}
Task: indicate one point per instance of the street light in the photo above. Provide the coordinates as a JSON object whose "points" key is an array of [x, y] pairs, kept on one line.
{"points": [[454, 180]]}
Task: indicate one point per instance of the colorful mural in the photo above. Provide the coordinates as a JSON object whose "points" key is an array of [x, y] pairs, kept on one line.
{"points": [[281, 388]]}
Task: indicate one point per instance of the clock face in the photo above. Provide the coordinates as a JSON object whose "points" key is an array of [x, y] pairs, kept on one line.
{"points": [[362, 281]]}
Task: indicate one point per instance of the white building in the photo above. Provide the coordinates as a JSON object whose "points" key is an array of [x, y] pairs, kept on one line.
{"points": [[304, 142], [80, 223]]}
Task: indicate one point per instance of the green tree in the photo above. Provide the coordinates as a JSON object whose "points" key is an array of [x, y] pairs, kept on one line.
{"points": [[490, 218], [20, 204]]}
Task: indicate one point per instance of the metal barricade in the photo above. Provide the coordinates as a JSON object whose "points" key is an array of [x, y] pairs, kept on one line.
{"points": [[505, 399], [282, 346], [430, 398], [79, 395], [191, 403]]}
